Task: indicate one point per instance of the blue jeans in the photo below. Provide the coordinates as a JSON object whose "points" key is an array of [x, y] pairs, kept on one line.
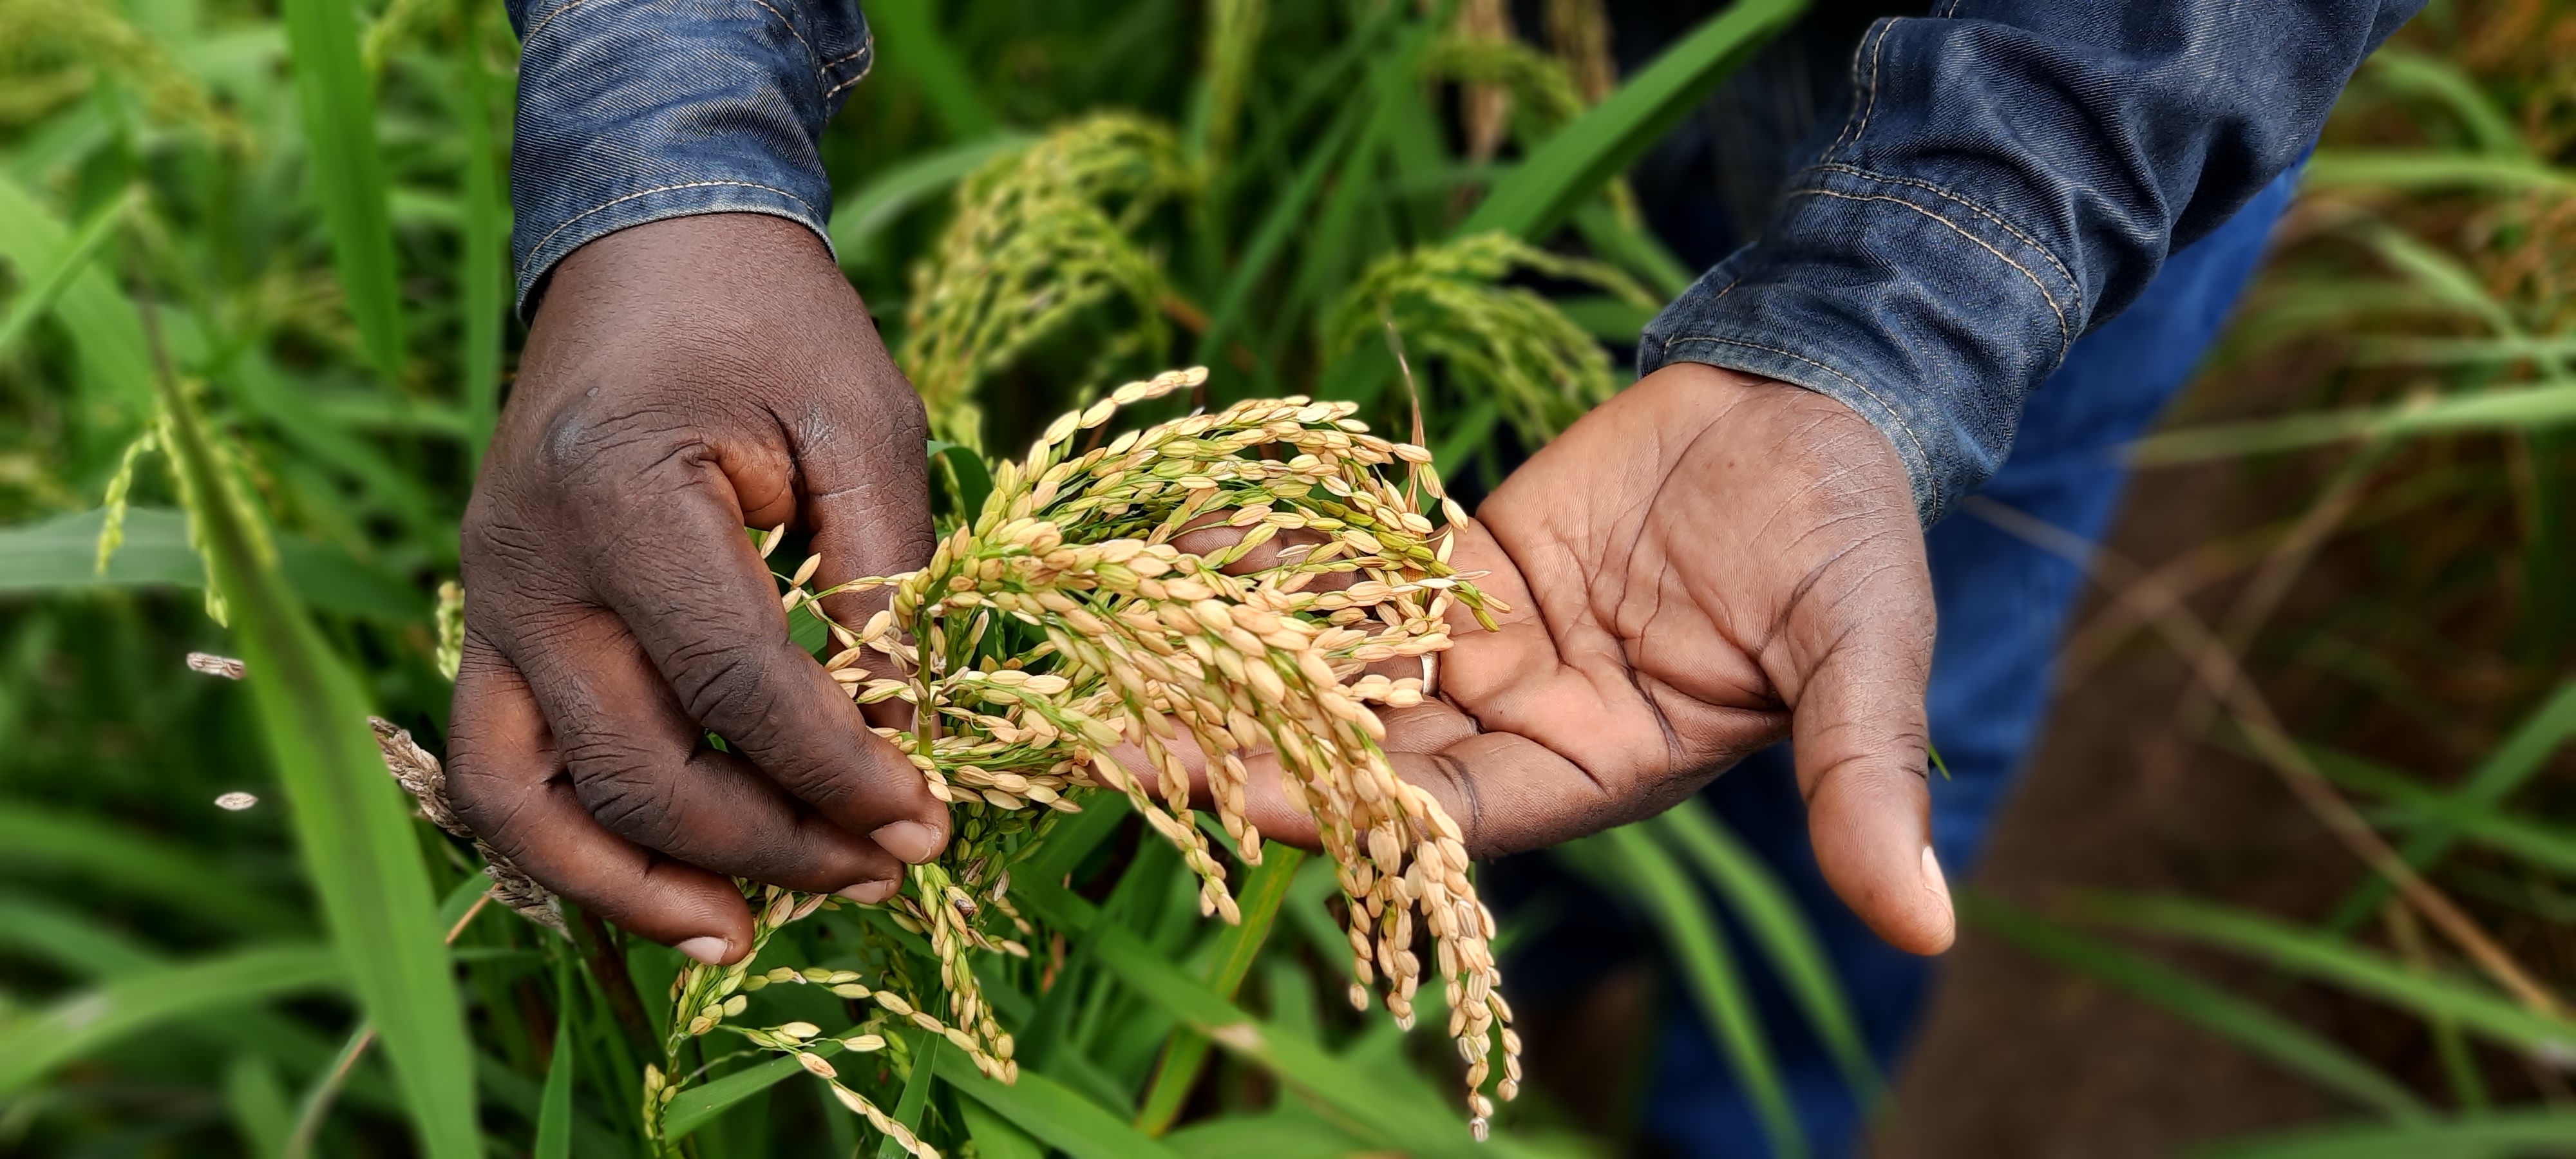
{"points": [[2003, 603]]}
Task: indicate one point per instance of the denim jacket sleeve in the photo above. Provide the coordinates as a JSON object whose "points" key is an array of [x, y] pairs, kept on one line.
{"points": [[638, 110], [2011, 173]]}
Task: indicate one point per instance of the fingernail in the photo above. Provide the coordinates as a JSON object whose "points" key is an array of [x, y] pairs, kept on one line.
{"points": [[911, 841], [708, 950], [1932, 879], [871, 892]]}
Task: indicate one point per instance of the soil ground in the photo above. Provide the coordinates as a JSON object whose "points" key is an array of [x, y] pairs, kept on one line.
{"points": [[2020, 1058]]}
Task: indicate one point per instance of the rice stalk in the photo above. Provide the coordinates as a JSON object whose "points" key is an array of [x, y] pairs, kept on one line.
{"points": [[1062, 635], [1507, 343], [1042, 236]]}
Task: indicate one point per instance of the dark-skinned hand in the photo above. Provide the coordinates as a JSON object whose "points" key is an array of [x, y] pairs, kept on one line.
{"points": [[1706, 564], [683, 380]]}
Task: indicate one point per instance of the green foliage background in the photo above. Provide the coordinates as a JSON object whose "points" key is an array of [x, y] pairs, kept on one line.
{"points": [[270, 239]]}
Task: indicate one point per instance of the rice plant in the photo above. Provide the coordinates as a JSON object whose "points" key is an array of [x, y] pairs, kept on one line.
{"points": [[256, 339]]}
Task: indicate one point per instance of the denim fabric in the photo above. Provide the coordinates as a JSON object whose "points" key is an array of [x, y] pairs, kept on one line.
{"points": [[2002, 604], [2010, 173], [638, 110]]}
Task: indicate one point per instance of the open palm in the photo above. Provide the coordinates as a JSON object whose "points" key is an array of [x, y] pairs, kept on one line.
{"points": [[1702, 566]]}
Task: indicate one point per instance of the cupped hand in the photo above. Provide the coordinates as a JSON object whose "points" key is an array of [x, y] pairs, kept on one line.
{"points": [[683, 380], [1702, 566]]}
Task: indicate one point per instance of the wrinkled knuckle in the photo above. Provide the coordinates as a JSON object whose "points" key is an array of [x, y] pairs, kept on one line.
{"points": [[634, 805], [729, 685]]}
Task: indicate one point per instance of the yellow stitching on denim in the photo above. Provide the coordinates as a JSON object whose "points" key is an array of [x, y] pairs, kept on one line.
{"points": [[2073, 287], [1875, 52], [2065, 334], [1857, 384], [542, 21], [810, 50], [866, 44], [867, 48], [540, 246], [1852, 115]]}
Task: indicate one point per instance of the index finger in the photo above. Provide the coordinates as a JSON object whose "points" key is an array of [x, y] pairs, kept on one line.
{"points": [[699, 599]]}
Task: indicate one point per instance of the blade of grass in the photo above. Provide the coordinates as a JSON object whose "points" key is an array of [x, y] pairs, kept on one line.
{"points": [[116, 375], [554, 1110], [1764, 906], [346, 171], [875, 205], [257, 1101], [2505, 770], [1572, 164], [2413, 170], [911, 45], [111, 855], [916, 1092], [2489, 126], [1051, 1113], [1633, 249], [2316, 955], [480, 269], [2548, 404], [2528, 1132], [40, 288], [697, 1106], [2459, 1062], [2258, 1031], [143, 1000], [71, 941], [2441, 814], [1628, 860], [360, 850], [995, 1137], [1329, 1081], [1237, 945]]}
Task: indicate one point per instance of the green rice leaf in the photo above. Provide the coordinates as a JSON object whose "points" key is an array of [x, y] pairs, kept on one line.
{"points": [[353, 828], [481, 272], [2504, 771], [70, 941], [2258, 1031], [1298, 1062], [1236, 946], [2449, 817], [347, 172], [115, 369], [916, 1092], [2489, 127], [970, 480], [2539, 1131], [60, 554], [257, 1099], [995, 1137], [2549, 404], [1629, 861], [1764, 906], [1051, 1113], [554, 1107], [40, 288], [2312, 954], [697, 1105], [143, 1000], [2414, 170], [52, 840], [1572, 164], [859, 217], [910, 44]]}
